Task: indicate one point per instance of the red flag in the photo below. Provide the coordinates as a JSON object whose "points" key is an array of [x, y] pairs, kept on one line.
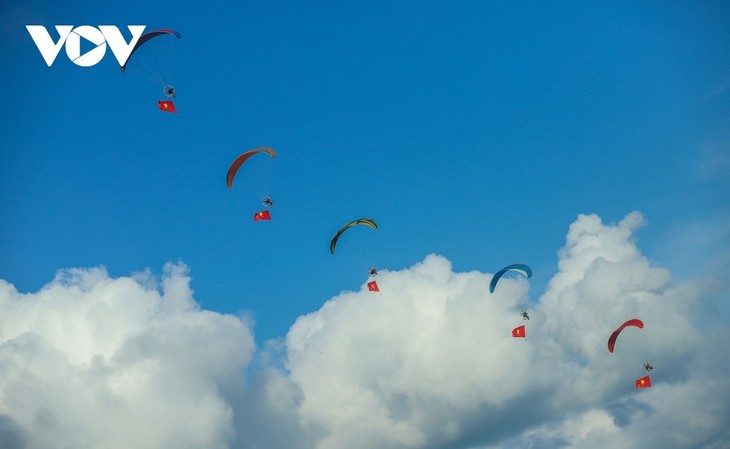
{"points": [[263, 215], [644, 382], [519, 332], [373, 286], [166, 105]]}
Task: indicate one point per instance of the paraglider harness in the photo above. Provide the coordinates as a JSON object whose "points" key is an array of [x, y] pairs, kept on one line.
{"points": [[169, 91]]}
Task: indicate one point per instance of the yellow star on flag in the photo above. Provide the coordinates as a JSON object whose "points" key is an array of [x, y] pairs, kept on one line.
{"points": [[644, 382], [517, 332]]}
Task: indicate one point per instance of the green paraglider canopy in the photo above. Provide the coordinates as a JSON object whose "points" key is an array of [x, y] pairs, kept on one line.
{"points": [[360, 221]]}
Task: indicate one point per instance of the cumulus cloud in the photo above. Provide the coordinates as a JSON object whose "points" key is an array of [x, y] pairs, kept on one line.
{"points": [[429, 362], [91, 361]]}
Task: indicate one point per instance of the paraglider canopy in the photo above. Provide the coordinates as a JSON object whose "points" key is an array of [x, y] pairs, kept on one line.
{"points": [[243, 158], [632, 322], [524, 269], [145, 38], [359, 221]]}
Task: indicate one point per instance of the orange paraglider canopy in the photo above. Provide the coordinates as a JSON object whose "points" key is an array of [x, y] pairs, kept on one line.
{"points": [[243, 158]]}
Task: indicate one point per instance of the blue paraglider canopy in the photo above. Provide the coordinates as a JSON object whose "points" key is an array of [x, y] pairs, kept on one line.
{"points": [[527, 271]]}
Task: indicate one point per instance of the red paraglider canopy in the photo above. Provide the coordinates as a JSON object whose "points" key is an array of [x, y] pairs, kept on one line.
{"points": [[632, 322], [241, 159]]}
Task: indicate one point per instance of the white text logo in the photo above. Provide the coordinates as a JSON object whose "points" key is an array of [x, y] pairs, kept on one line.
{"points": [[71, 37]]}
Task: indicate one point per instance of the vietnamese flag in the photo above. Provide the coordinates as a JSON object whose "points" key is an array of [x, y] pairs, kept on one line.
{"points": [[519, 332], [166, 105], [263, 215], [373, 286], [644, 382]]}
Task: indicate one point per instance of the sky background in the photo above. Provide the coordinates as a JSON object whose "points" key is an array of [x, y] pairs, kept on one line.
{"points": [[476, 134]]}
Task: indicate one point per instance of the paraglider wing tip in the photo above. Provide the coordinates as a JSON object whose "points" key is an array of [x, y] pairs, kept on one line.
{"points": [[367, 221], [525, 268]]}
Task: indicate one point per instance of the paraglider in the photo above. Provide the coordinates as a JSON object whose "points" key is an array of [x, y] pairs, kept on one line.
{"points": [[145, 38], [243, 158], [527, 271], [524, 314], [169, 91], [632, 322], [360, 221], [267, 201], [373, 272], [648, 367]]}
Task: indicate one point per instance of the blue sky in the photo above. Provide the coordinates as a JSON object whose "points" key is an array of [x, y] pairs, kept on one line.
{"points": [[478, 131]]}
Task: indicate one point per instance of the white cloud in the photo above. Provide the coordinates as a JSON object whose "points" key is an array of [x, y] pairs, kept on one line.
{"points": [[91, 361], [430, 362], [407, 367]]}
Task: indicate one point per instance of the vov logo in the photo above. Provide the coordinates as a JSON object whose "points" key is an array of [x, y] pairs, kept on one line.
{"points": [[71, 37]]}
